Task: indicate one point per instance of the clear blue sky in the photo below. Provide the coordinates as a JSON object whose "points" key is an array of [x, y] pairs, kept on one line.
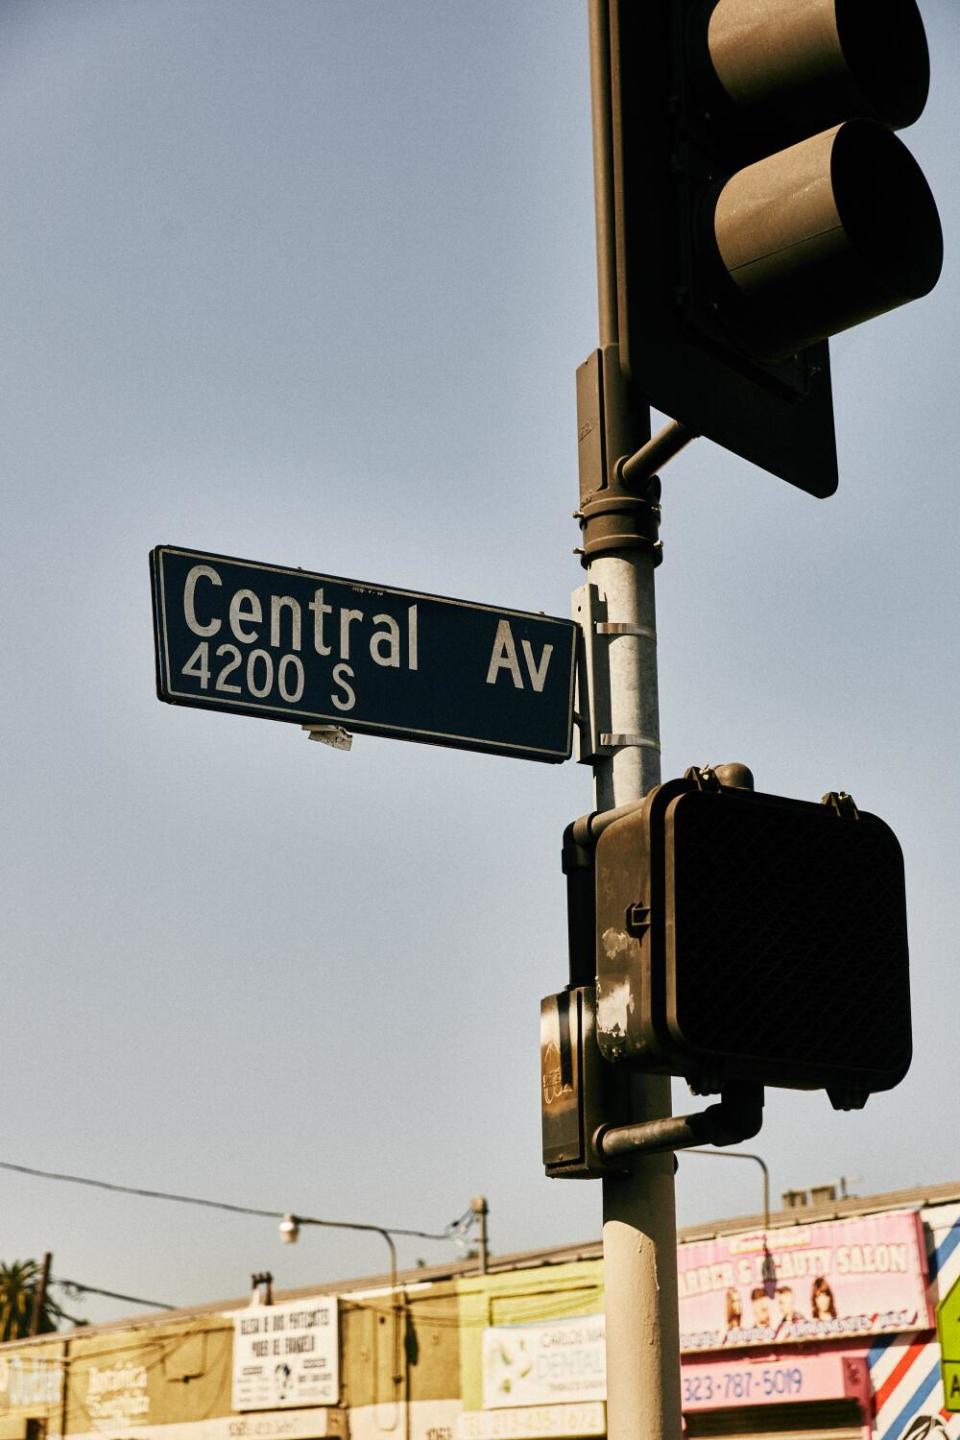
{"points": [[308, 281]]}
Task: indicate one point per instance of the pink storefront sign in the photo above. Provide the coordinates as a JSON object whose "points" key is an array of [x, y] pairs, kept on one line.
{"points": [[830, 1280], [773, 1381]]}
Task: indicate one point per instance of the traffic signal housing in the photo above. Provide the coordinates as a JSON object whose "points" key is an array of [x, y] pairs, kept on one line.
{"points": [[762, 203], [749, 938]]}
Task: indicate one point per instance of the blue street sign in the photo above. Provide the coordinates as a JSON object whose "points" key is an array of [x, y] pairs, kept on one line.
{"points": [[290, 645]]}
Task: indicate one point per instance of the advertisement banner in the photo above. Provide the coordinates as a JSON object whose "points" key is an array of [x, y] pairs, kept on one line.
{"points": [[33, 1381], [557, 1360], [286, 1355], [827, 1280]]}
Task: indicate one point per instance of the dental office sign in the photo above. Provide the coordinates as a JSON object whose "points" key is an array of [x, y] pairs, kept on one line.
{"points": [[828, 1280], [285, 1356], [557, 1361], [287, 644]]}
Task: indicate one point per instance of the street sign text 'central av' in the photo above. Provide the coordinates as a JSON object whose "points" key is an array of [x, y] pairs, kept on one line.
{"points": [[290, 645]]}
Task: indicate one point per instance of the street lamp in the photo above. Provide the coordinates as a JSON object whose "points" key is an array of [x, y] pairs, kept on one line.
{"points": [[477, 1212], [291, 1224], [290, 1233], [743, 1155], [768, 1269]]}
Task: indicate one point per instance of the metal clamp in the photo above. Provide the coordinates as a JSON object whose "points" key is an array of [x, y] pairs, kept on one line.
{"points": [[843, 803], [333, 735], [704, 777], [733, 775], [623, 627], [596, 736], [617, 741], [617, 514]]}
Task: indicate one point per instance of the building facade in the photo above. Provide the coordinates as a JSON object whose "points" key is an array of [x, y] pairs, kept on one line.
{"points": [[819, 1326]]}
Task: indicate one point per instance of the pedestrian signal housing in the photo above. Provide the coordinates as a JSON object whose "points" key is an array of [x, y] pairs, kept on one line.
{"points": [[762, 203], [744, 937]]}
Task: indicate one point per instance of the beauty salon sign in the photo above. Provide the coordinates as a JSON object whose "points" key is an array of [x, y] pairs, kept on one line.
{"points": [[828, 1280]]}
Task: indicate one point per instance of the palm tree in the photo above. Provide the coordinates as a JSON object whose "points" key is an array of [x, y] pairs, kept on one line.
{"points": [[19, 1283]]}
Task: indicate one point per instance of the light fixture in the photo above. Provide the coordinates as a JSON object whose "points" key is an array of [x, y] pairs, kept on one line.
{"points": [[289, 1229]]}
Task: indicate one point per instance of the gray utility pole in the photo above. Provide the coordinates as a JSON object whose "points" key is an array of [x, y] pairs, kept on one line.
{"points": [[619, 518], [40, 1295], [481, 1210]]}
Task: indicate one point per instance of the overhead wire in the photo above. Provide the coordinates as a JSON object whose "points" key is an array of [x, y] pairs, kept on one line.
{"points": [[453, 1230], [75, 1288]]}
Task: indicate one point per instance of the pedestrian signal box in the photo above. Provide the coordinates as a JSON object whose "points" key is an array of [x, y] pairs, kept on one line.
{"points": [[744, 937]]}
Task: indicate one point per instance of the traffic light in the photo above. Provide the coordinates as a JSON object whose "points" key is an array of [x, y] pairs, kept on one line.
{"points": [[762, 203], [749, 938]]}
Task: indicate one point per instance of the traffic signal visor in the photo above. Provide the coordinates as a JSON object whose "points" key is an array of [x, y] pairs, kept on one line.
{"points": [[840, 225], [762, 204]]}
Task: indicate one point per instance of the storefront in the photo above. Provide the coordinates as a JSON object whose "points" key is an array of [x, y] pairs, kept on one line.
{"points": [[818, 1331], [819, 1328], [533, 1355]]}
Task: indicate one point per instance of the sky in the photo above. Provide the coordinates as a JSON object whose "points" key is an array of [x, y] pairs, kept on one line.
{"points": [[308, 282]]}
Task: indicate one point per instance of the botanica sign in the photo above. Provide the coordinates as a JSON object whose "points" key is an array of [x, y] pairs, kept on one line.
{"points": [[805, 1282]]}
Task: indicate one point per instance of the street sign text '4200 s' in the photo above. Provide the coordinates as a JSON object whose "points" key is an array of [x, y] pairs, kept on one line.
{"points": [[286, 644]]}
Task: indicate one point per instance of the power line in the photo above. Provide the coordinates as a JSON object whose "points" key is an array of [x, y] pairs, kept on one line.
{"points": [[453, 1229], [75, 1289]]}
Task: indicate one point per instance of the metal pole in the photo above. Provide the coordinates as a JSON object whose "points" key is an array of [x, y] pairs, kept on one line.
{"points": [[292, 1224], [744, 1155], [40, 1295], [639, 1219], [667, 443], [481, 1210]]}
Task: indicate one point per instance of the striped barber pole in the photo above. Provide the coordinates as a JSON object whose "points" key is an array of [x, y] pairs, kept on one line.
{"points": [[905, 1369]]}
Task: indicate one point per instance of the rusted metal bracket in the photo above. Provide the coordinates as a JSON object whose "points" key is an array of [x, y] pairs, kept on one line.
{"points": [[333, 735], [714, 777], [843, 803], [738, 1117]]}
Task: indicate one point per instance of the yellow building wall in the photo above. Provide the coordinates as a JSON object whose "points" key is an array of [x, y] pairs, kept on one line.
{"points": [[435, 1373], [417, 1340], [517, 1297], [156, 1374], [31, 1387]]}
